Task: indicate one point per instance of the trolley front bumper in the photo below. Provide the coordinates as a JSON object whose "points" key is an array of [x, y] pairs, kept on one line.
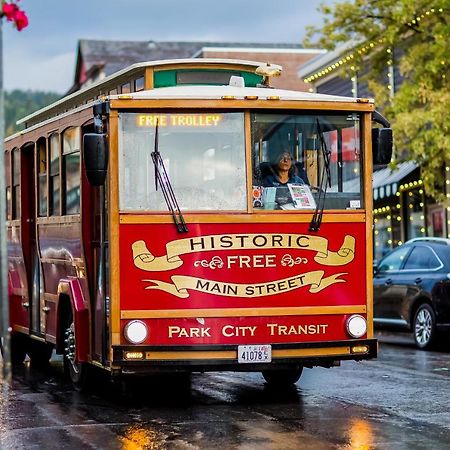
{"points": [[148, 359]]}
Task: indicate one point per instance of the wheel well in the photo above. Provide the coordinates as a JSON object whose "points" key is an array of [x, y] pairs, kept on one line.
{"points": [[64, 313]]}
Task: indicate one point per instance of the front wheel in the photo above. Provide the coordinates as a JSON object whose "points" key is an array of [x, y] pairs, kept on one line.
{"points": [[75, 370], [424, 327], [283, 377]]}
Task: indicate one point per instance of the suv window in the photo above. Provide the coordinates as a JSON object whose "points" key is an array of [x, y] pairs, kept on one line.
{"points": [[394, 260], [422, 258]]}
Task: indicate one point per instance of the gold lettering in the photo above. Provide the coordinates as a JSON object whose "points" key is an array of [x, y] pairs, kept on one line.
{"points": [[270, 261], [225, 330], [175, 331], [284, 330]]}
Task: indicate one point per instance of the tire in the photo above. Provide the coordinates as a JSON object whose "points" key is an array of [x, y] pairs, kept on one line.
{"points": [[19, 348], [76, 371], [424, 327], [40, 353], [284, 377]]}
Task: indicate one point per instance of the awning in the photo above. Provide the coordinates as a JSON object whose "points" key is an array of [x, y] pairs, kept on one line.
{"points": [[386, 181]]}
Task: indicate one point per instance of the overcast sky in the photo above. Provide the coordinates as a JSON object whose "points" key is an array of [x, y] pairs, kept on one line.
{"points": [[42, 56]]}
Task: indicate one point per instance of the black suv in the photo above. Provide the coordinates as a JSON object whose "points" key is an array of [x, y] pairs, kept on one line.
{"points": [[412, 289]]}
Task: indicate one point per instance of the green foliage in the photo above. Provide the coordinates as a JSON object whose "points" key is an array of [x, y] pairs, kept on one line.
{"points": [[19, 104], [419, 31]]}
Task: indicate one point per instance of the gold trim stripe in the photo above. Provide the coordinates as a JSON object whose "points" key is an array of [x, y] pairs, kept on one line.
{"points": [[114, 236], [51, 298], [20, 328], [266, 217], [183, 103], [367, 139], [228, 354], [294, 352], [232, 354], [238, 312]]}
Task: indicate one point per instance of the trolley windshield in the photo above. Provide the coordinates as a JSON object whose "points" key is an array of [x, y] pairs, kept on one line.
{"points": [[296, 158]]}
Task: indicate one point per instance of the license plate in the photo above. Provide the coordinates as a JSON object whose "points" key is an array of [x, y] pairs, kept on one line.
{"points": [[254, 354]]}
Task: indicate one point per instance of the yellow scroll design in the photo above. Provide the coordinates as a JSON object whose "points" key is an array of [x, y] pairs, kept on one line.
{"points": [[145, 260], [181, 284]]}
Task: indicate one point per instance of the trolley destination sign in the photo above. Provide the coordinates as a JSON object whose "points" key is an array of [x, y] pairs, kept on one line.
{"points": [[178, 120]]}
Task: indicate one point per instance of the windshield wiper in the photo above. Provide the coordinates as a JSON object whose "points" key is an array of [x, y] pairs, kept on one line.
{"points": [[325, 181], [162, 179]]}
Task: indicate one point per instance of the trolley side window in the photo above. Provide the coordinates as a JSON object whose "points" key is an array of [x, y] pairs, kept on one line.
{"points": [[203, 154], [8, 184], [16, 183], [72, 172], [41, 149], [298, 156], [54, 178]]}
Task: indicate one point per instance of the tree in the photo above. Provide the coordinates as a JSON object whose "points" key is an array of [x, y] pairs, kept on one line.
{"points": [[19, 104], [418, 34]]}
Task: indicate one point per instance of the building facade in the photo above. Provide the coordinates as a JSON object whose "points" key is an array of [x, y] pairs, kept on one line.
{"points": [[97, 59]]}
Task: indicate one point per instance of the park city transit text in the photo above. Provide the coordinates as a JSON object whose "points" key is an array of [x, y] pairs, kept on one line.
{"points": [[229, 331]]}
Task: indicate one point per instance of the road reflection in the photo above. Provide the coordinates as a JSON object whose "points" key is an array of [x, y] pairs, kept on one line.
{"points": [[360, 435], [137, 437], [358, 406]]}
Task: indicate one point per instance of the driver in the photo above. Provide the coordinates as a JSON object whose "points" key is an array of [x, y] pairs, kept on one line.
{"points": [[282, 171]]}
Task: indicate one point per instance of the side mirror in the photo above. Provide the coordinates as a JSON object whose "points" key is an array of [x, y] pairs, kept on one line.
{"points": [[95, 156], [375, 266], [381, 145]]}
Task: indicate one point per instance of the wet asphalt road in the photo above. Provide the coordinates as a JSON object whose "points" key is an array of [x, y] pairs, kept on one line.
{"points": [[399, 401]]}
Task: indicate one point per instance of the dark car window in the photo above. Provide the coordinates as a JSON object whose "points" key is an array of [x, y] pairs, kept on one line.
{"points": [[422, 258], [394, 260]]}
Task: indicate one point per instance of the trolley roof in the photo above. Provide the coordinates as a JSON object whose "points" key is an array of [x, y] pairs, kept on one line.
{"points": [[239, 93], [99, 90], [93, 90]]}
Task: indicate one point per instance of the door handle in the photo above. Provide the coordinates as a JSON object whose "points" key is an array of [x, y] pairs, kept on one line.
{"points": [[388, 282], [25, 304], [46, 309], [418, 280]]}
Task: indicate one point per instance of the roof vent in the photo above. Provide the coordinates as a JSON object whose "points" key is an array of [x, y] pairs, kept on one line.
{"points": [[236, 81]]}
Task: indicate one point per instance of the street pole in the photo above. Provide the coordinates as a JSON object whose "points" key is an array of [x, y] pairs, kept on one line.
{"points": [[4, 305]]}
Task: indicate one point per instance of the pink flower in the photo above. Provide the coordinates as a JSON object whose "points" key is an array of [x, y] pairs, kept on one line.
{"points": [[10, 10], [13, 14], [21, 20]]}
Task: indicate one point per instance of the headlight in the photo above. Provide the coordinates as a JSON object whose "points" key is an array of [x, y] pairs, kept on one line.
{"points": [[356, 326], [135, 331]]}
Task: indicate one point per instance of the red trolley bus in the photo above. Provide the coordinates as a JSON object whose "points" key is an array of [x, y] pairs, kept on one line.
{"points": [[184, 216]]}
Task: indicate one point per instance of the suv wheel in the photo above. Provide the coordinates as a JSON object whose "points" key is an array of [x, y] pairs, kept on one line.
{"points": [[424, 327]]}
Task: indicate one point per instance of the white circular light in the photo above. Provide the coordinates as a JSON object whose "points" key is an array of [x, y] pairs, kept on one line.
{"points": [[136, 331], [356, 326]]}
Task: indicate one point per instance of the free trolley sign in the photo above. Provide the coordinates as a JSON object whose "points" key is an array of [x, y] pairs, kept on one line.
{"points": [[254, 354]]}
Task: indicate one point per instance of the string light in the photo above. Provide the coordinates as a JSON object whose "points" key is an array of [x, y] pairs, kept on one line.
{"points": [[368, 46]]}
